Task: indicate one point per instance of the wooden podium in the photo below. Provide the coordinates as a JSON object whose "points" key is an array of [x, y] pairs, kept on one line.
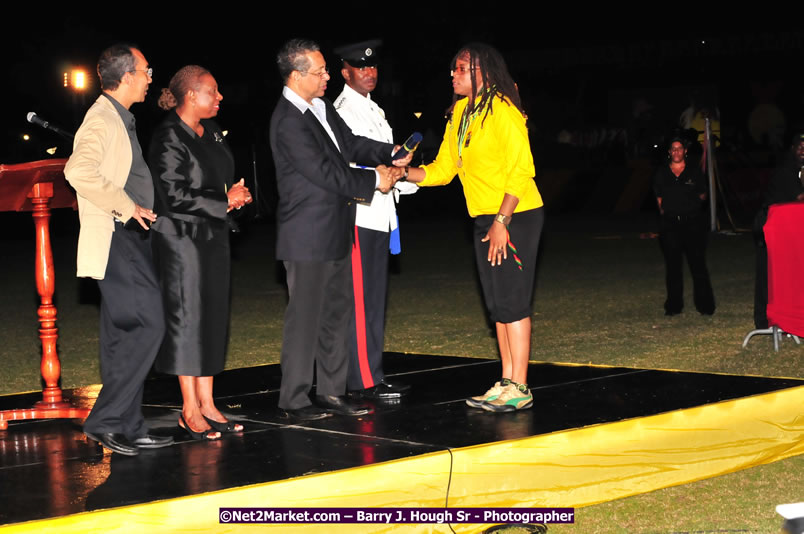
{"points": [[38, 187]]}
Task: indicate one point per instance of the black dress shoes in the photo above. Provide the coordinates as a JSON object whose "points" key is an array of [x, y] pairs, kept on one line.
{"points": [[149, 441], [383, 391], [308, 413], [115, 442], [341, 406]]}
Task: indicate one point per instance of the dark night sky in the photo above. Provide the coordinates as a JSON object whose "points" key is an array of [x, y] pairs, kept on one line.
{"points": [[567, 71]]}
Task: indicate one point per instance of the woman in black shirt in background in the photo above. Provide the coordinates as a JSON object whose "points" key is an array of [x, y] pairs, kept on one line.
{"points": [[680, 193]]}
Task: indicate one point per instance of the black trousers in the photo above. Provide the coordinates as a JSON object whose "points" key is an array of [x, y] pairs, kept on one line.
{"points": [[686, 236], [315, 334], [367, 324], [132, 325]]}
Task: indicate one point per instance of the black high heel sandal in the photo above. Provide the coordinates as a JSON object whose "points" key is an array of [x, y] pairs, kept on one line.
{"points": [[229, 427], [204, 435]]}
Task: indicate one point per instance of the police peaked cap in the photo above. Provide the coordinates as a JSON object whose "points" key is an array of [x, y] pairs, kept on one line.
{"points": [[362, 54]]}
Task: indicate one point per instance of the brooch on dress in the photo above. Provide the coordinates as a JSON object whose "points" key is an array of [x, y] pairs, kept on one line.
{"points": [[218, 138]]}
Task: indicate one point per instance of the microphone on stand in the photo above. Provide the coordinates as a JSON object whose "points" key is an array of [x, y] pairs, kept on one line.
{"points": [[34, 119]]}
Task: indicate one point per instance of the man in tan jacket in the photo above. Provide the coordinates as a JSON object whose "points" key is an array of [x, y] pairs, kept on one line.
{"points": [[115, 201]]}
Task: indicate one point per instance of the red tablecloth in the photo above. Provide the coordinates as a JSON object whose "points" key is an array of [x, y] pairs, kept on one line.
{"points": [[784, 235]]}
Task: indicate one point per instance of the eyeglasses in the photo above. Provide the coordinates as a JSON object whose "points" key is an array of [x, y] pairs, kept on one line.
{"points": [[460, 70], [324, 72], [149, 71]]}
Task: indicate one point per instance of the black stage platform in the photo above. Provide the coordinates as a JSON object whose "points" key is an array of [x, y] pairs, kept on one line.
{"points": [[48, 469]]}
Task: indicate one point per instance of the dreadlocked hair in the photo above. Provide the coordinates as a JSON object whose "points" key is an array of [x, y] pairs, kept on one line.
{"points": [[497, 80]]}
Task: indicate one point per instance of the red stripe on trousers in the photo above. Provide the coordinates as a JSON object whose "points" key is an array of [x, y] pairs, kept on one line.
{"points": [[360, 314]]}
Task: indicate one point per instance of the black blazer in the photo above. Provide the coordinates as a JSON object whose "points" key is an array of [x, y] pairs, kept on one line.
{"points": [[191, 177], [317, 187]]}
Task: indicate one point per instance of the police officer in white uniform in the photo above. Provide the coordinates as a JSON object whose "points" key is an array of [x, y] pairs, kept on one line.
{"points": [[376, 229]]}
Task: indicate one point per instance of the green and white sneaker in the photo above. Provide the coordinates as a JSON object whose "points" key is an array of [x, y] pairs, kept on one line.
{"points": [[491, 394], [513, 397]]}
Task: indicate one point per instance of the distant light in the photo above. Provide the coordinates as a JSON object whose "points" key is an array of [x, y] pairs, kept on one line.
{"points": [[26, 137], [655, 146], [417, 114], [703, 42], [77, 79], [225, 133], [51, 150]]}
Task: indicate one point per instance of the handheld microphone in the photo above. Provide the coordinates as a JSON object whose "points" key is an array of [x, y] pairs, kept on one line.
{"points": [[410, 145], [34, 119]]}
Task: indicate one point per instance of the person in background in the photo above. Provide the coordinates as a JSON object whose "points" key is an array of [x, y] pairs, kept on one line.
{"points": [[785, 186], [680, 191]]}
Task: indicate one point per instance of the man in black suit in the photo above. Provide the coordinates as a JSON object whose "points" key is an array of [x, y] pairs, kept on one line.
{"points": [[312, 148]]}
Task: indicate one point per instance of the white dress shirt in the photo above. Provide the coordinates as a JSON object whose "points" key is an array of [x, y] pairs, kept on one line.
{"points": [[367, 119]]}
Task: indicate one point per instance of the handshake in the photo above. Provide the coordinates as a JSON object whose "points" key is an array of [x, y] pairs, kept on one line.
{"points": [[391, 175]]}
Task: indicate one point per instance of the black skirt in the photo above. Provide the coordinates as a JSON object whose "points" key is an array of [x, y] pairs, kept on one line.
{"points": [[195, 279]]}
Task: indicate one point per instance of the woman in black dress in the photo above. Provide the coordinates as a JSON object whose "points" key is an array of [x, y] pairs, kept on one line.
{"points": [[193, 173], [680, 191]]}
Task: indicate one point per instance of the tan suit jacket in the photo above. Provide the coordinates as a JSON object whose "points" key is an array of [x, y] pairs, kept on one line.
{"points": [[98, 170]]}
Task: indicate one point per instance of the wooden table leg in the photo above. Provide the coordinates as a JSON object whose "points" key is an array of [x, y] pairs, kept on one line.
{"points": [[52, 405]]}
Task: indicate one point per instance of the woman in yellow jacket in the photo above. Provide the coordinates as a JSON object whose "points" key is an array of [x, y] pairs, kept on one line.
{"points": [[486, 145]]}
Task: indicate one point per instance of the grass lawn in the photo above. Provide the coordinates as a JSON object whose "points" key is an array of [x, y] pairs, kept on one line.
{"points": [[599, 296]]}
